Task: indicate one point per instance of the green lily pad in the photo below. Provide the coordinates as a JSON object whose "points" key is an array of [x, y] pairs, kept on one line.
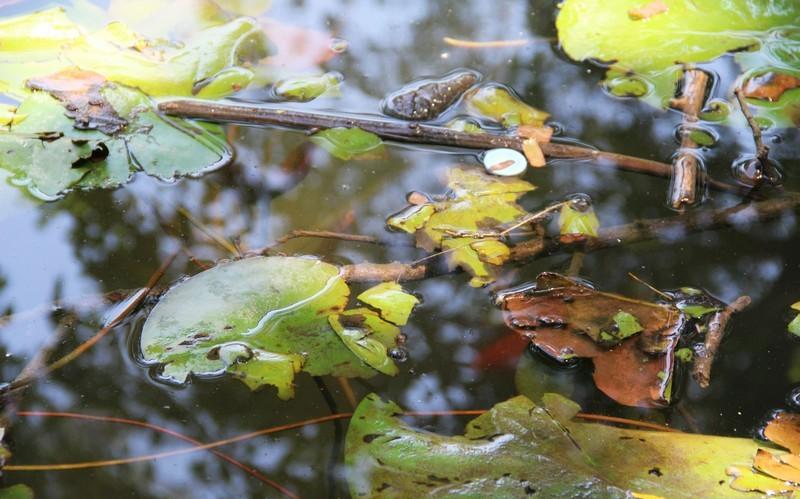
{"points": [[368, 337], [350, 143], [518, 449], [466, 225], [646, 55], [261, 319], [49, 156], [393, 303]]}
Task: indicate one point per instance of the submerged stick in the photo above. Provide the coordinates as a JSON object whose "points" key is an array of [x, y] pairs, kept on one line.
{"points": [[414, 132], [685, 168], [704, 359], [641, 230]]}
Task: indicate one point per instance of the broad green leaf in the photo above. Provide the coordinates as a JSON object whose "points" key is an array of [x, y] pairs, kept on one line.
{"points": [[514, 450], [258, 318], [309, 88], [44, 31], [147, 17], [518, 448], [350, 143], [163, 147], [645, 55], [466, 225], [393, 303], [627, 325], [502, 105]]}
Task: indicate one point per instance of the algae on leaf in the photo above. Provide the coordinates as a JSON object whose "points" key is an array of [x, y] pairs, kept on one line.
{"points": [[263, 319]]}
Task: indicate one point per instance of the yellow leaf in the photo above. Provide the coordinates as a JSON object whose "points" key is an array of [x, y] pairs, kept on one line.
{"points": [[533, 153]]}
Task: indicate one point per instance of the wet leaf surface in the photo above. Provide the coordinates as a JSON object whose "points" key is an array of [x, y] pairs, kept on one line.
{"points": [[19, 491], [514, 450], [518, 449], [630, 342], [427, 99], [308, 88], [263, 319], [465, 225]]}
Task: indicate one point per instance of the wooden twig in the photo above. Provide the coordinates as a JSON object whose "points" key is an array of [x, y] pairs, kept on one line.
{"points": [[413, 132], [704, 356], [685, 168], [762, 151]]}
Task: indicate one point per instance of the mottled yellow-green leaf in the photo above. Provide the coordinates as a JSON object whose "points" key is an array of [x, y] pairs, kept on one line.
{"points": [[491, 251], [9, 115], [500, 104], [263, 368], [572, 220], [368, 336], [46, 30], [393, 303], [747, 480]]}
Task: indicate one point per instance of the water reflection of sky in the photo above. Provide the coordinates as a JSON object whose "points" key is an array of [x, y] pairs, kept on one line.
{"points": [[101, 241]]}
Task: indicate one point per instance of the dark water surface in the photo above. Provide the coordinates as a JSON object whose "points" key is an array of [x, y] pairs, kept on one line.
{"points": [[91, 243]]}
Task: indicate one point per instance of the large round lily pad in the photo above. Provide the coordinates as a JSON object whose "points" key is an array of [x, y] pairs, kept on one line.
{"points": [[261, 319]]}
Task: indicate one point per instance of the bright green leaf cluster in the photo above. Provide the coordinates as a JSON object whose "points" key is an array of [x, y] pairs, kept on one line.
{"points": [[466, 225]]}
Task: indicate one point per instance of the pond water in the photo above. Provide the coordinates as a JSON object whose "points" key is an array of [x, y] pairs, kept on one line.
{"points": [[89, 243]]}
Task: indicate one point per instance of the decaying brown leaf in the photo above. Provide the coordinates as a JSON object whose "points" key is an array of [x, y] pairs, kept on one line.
{"points": [[649, 10], [542, 134], [533, 153], [766, 462], [80, 92], [784, 430], [567, 318], [770, 86]]}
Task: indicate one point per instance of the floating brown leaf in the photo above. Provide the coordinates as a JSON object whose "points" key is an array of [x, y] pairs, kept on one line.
{"points": [[784, 430], [80, 92], [533, 153], [542, 134], [770, 86], [567, 318], [427, 99], [767, 462]]}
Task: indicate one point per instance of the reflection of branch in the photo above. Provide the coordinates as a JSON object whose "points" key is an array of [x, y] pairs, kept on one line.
{"points": [[641, 230], [762, 151], [683, 190], [701, 370], [411, 132]]}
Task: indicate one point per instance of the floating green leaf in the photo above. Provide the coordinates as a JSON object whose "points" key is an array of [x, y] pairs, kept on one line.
{"points": [[49, 156], [696, 311], [626, 325], [309, 88], [514, 450], [502, 105], [466, 226], [262, 319], [684, 354], [518, 449], [691, 31], [794, 326], [350, 143], [393, 303]]}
